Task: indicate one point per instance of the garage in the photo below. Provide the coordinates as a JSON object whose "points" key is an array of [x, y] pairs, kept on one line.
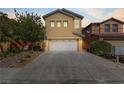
{"points": [[63, 45]]}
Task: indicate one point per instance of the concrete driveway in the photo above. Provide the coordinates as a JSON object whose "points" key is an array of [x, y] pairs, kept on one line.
{"points": [[65, 67]]}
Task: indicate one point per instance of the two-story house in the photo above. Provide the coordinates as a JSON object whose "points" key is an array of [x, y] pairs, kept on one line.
{"points": [[61, 27], [110, 30]]}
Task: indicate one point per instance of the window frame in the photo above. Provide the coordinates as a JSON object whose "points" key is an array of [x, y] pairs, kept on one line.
{"points": [[51, 24], [113, 29], [76, 21], [58, 21], [64, 24], [97, 29], [105, 28]]}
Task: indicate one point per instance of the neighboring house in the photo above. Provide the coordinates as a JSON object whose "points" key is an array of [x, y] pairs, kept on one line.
{"points": [[62, 30], [110, 30]]}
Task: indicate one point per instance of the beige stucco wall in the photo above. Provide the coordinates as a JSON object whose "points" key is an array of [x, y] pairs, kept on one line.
{"points": [[80, 44], [46, 45], [116, 42], [95, 29], [120, 26], [52, 32]]}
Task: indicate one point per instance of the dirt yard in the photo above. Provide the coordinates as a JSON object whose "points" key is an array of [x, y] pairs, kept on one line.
{"points": [[19, 60]]}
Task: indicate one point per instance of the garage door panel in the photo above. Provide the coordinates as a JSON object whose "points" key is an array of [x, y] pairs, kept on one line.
{"points": [[63, 45]]}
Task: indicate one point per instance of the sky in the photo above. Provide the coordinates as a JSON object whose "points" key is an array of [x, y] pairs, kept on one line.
{"points": [[90, 14]]}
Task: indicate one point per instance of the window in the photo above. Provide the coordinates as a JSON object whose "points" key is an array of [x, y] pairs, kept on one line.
{"points": [[114, 27], [107, 28], [95, 28], [65, 23], [52, 23], [58, 23], [76, 23]]}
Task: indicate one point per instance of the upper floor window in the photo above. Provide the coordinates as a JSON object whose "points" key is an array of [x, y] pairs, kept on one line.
{"points": [[52, 23], [58, 23], [65, 23], [114, 27], [76, 23], [107, 28], [97, 29]]}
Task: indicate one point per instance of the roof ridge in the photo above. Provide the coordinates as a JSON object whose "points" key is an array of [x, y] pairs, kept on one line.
{"points": [[113, 18], [65, 11]]}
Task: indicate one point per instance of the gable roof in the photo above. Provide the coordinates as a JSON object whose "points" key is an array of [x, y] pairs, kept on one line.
{"points": [[98, 23], [64, 11], [92, 24], [114, 19], [73, 13]]}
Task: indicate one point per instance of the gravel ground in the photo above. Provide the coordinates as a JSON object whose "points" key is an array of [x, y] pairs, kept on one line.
{"points": [[12, 60]]}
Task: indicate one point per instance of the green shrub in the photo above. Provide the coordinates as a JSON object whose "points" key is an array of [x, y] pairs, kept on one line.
{"points": [[12, 51], [3, 54], [37, 48], [100, 48], [9, 52]]}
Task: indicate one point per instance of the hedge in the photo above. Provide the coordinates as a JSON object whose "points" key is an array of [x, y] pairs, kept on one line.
{"points": [[100, 47]]}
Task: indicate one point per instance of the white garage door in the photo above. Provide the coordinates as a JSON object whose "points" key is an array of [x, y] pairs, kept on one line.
{"points": [[63, 45]]}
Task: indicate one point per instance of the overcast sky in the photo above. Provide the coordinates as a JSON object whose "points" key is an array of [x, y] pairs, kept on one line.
{"points": [[90, 14]]}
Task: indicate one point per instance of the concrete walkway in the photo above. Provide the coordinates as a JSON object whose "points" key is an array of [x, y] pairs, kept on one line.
{"points": [[65, 67]]}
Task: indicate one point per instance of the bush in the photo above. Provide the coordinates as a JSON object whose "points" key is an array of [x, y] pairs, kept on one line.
{"points": [[12, 51], [121, 59], [3, 54], [9, 52], [100, 48], [37, 48]]}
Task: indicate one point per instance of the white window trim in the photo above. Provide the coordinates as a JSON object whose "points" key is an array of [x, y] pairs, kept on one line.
{"points": [[52, 25], [59, 24], [76, 24], [65, 25]]}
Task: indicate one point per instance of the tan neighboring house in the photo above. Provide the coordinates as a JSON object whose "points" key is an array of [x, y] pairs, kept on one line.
{"points": [[62, 29], [110, 30]]}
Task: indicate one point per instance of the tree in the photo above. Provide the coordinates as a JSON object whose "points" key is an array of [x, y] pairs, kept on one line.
{"points": [[27, 27], [4, 34], [4, 29], [7, 28], [30, 27]]}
